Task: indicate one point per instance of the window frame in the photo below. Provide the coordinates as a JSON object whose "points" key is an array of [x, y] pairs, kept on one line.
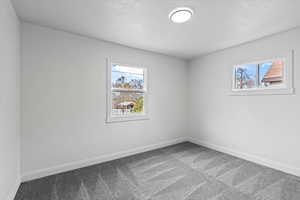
{"points": [[109, 116], [285, 88]]}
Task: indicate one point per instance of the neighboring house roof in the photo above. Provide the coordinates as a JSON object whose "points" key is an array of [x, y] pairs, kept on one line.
{"points": [[126, 103], [275, 72]]}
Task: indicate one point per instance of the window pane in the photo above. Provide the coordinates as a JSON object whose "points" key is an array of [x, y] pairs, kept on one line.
{"points": [[127, 77], [127, 103], [245, 76], [271, 73]]}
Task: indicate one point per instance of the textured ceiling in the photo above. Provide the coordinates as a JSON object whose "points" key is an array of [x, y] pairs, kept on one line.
{"points": [[144, 24]]}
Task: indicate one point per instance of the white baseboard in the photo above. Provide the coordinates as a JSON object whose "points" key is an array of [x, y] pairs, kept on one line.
{"points": [[256, 159], [96, 160], [12, 193]]}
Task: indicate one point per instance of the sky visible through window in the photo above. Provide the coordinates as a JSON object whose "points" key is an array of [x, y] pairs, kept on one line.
{"points": [[250, 70], [127, 77], [246, 76]]}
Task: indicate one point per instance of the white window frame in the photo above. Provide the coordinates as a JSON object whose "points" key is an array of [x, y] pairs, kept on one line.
{"points": [[140, 116], [285, 88]]}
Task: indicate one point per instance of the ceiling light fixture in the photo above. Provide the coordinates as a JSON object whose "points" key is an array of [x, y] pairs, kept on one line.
{"points": [[181, 15]]}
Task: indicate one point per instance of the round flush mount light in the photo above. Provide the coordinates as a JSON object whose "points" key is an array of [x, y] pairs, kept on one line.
{"points": [[181, 15]]}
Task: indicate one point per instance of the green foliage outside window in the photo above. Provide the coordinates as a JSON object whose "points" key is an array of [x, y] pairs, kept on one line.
{"points": [[139, 105]]}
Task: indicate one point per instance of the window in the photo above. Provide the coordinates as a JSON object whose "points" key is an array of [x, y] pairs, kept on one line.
{"points": [[273, 76], [127, 92]]}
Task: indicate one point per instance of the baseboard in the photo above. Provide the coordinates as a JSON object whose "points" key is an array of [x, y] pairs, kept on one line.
{"points": [[256, 159], [12, 193], [96, 160]]}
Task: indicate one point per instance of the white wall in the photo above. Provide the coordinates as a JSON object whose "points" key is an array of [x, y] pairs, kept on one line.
{"points": [[261, 128], [9, 101], [63, 101]]}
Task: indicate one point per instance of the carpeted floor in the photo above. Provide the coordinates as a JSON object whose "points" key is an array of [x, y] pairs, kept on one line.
{"points": [[180, 172]]}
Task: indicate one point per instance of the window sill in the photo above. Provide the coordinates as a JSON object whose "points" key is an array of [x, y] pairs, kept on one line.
{"points": [[273, 91], [126, 119]]}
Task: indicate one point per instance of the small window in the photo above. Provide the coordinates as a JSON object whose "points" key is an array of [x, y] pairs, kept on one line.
{"points": [[127, 92], [272, 76]]}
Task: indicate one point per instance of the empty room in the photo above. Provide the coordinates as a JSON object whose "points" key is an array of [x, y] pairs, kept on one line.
{"points": [[149, 100]]}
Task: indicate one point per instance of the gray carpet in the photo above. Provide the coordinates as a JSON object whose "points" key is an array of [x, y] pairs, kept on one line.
{"points": [[180, 172]]}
